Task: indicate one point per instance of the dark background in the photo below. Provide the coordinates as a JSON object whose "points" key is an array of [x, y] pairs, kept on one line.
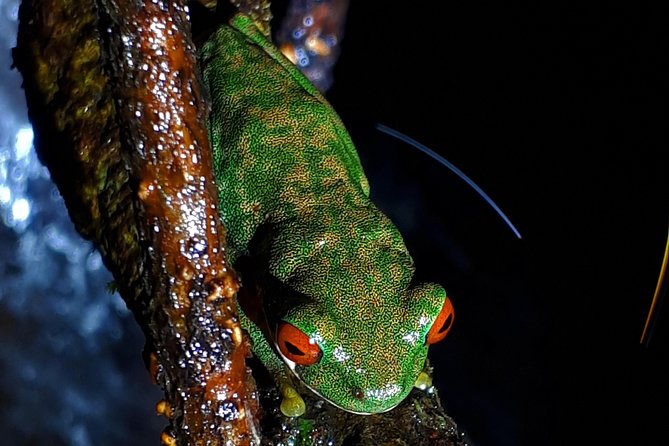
{"points": [[558, 112]]}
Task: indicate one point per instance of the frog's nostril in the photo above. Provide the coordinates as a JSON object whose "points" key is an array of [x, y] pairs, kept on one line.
{"points": [[358, 394]]}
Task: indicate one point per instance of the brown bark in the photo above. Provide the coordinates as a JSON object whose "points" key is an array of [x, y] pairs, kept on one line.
{"points": [[114, 97]]}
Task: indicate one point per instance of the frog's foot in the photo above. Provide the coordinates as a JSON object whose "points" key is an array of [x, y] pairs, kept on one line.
{"points": [[423, 381], [292, 404]]}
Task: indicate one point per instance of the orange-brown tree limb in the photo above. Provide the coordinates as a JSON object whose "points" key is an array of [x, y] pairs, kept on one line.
{"points": [[119, 120]]}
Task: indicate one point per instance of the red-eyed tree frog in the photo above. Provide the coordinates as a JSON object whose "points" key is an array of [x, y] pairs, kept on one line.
{"points": [[342, 314]]}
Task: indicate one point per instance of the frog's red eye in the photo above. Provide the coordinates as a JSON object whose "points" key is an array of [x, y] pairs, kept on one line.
{"points": [[296, 346], [442, 324]]}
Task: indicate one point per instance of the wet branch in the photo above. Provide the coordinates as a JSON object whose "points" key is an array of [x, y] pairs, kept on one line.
{"points": [[114, 97]]}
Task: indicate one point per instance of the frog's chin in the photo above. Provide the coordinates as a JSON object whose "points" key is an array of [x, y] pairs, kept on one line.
{"points": [[349, 410], [291, 365]]}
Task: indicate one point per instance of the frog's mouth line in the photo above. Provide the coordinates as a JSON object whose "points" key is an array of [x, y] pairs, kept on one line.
{"points": [[291, 366]]}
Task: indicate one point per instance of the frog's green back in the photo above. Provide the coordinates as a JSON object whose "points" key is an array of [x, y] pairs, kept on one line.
{"points": [[293, 197], [279, 147]]}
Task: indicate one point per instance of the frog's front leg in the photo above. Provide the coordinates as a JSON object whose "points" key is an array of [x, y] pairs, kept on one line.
{"points": [[423, 382], [292, 404]]}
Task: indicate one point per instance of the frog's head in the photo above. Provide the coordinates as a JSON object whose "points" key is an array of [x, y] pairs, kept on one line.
{"points": [[359, 332], [365, 359]]}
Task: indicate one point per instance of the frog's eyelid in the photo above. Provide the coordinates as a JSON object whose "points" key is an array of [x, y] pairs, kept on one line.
{"points": [[442, 323], [296, 346]]}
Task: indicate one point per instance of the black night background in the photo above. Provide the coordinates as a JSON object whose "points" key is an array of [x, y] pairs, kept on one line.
{"points": [[558, 111]]}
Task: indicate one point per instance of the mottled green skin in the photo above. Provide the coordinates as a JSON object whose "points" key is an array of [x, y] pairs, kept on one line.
{"points": [[293, 194]]}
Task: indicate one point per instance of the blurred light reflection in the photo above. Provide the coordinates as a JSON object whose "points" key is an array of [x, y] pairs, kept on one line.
{"points": [[24, 142], [70, 352], [309, 36]]}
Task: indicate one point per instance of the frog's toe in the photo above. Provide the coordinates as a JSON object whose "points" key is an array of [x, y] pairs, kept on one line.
{"points": [[423, 381], [292, 404]]}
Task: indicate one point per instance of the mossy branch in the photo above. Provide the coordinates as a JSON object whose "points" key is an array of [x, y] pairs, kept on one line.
{"points": [[114, 97]]}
